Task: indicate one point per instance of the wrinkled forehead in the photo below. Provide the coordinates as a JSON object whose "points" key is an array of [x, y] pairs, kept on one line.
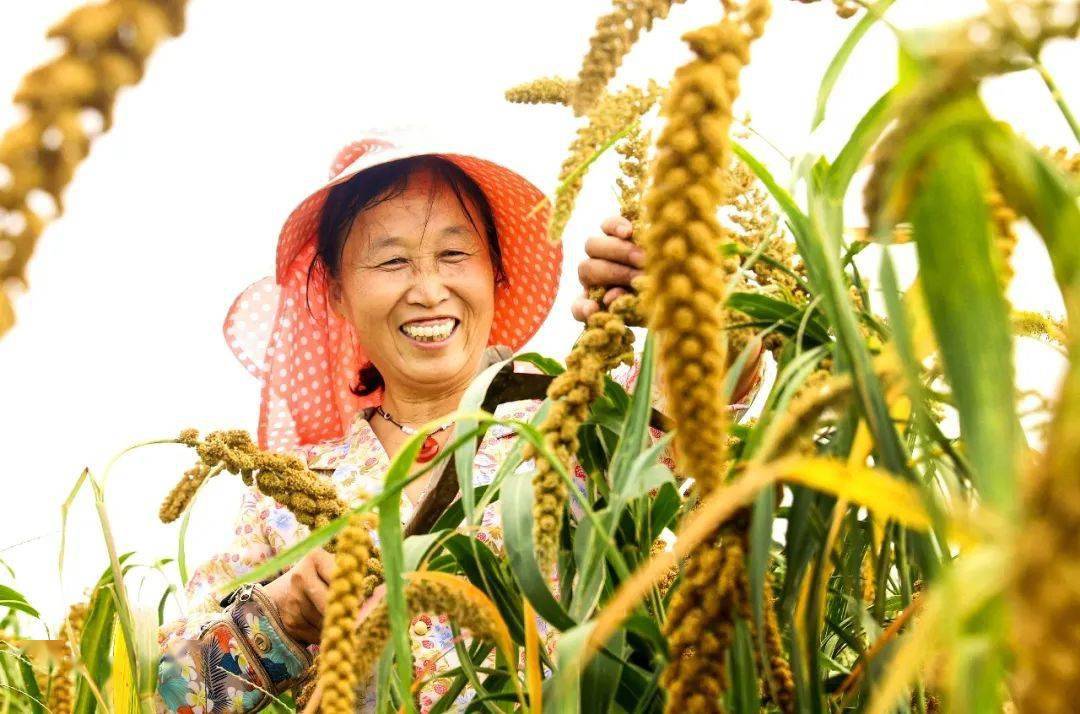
{"points": [[427, 211]]}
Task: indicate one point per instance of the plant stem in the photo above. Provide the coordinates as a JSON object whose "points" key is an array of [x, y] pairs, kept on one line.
{"points": [[1055, 94], [123, 612]]}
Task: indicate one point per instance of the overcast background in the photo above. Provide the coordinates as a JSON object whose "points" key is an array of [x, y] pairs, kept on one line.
{"points": [[178, 208]]}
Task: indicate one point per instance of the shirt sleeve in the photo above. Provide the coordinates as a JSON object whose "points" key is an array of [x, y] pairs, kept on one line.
{"points": [[232, 658]]}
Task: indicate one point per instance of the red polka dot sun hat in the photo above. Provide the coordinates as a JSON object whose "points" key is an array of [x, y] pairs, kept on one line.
{"points": [[308, 361]]}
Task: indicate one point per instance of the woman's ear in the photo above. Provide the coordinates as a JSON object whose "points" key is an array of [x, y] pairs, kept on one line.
{"points": [[334, 296]]}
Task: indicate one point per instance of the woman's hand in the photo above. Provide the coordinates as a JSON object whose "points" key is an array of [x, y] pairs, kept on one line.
{"points": [[612, 262], [300, 595]]}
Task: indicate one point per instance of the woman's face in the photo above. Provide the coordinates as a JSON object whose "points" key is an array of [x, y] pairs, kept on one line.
{"points": [[417, 284]]}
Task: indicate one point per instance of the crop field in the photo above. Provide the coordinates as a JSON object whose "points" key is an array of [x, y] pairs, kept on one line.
{"points": [[892, 528]]}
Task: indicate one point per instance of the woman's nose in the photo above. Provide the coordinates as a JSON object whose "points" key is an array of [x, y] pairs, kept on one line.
{"points": [[428, 287]]}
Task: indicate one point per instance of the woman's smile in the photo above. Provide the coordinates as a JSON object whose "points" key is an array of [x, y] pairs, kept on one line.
{"points": [[430, 333]]}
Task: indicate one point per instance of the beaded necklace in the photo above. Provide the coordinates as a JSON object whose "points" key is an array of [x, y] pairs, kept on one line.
{"points": [[430, 446]]}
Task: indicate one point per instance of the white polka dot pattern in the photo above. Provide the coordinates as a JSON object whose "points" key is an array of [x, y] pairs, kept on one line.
{"points": [[307, 360]]}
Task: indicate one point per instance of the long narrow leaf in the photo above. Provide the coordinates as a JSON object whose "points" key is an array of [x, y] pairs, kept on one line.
{"points": [[969, 313]]}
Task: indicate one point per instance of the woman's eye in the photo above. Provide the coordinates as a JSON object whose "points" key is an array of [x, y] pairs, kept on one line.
{"points": [[392, 262], [455, 254]]}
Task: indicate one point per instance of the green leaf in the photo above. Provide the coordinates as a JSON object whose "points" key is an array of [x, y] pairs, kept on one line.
{"points": [[393, 560], [517, 504], [562, 692], [761, 522], [64, 508], [788, 317], [968, 311], [16, 601], [599, 677], [35, 697], [635, 428], [840, 59], [744, 681], [592, 572], [455, 512], [799, 221], [865, 135], [663, 509], [417, 546], [546, 364], [97, 642], [465, 455], [955, 120], [482, 569], [181, 539]]}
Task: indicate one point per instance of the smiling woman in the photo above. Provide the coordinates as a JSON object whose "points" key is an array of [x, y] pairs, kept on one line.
{"points": [[413, 257], [398, 281]]}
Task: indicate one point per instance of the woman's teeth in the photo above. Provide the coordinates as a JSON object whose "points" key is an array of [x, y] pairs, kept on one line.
{"points": [[430, 331]]}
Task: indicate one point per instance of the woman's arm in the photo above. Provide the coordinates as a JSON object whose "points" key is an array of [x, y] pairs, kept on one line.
{"points": [[233, 656]]}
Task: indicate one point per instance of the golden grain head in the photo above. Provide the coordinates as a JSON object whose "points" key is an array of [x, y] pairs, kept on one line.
{"points": [[425, 595], [180, 497], [605, 343], [349, 588], [682, 237], [1046, 589], [42, 151], [700, 627], [616, 32], [544, 90], [613, 114]]}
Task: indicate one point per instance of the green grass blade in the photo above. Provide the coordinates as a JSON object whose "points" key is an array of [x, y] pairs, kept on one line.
{"points": [[64, 509], [787, 317], [854, 152], [840, 59], [35, 698], [15, 600], [393, 560], [969, 314], [96, 645], [465, 455], [799, 221], [517, 504], [635, 428]]}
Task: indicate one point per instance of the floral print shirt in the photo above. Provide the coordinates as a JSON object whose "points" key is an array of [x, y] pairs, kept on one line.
{"points": [[234, 658]]}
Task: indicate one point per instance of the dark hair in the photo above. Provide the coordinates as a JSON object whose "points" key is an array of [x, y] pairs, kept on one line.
{"points": [[376, 185]]}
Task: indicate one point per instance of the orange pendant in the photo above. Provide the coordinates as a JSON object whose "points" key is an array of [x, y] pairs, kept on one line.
{"points": [[428, 450]]}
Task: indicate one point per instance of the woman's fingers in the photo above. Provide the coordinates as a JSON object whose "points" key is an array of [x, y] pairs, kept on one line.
{"points": [[613, 293], [324, 564], [612, 262], [582, 308], [317, 593], [368, 605], [615, 250], [617, 226], [605, 273], [308, 628], [298, 615]]}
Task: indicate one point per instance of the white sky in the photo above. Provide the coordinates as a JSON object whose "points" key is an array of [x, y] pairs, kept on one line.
{"points": [[178, 207]]}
